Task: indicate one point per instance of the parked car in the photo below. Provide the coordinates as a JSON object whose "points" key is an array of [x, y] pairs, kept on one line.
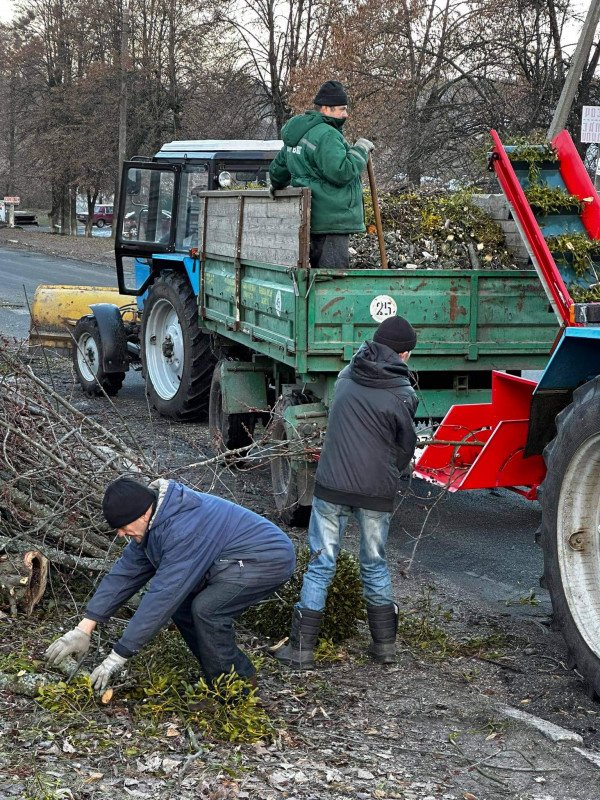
{"points": [[103, 215]]}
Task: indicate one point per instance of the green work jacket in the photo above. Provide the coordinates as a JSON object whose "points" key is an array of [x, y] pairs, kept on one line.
{"points": [[316, 155]]}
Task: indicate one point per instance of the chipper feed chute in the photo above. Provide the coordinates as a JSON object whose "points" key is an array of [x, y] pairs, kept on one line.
{"points": [[481, 446], [55, 311]]}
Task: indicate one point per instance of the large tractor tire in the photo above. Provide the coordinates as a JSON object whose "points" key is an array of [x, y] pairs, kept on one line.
{"points": [[570, 534], [87, 361], [227, 431], [177, 358], [285, 481]]}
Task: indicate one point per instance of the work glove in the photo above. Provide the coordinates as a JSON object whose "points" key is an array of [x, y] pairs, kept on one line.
{"points": [[74, 643], [272, 192], [100, 677], [366, 145]]}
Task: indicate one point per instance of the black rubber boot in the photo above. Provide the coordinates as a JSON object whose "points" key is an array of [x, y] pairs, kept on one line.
{"points": [[299, 652], [383, 623]]}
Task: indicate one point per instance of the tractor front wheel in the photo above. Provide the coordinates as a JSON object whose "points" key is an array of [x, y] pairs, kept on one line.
{"points": [[88, 358], [570, 536]]}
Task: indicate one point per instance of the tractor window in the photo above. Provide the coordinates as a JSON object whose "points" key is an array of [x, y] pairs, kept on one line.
{"points": [[193, 180], [246, 176], [148, 206]]}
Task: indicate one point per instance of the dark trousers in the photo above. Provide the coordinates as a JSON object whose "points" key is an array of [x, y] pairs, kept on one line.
{"points": [[329, 250], [205, 620]]}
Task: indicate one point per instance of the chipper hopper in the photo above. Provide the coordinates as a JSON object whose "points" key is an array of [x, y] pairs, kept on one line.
{"points": [[546, 435]]}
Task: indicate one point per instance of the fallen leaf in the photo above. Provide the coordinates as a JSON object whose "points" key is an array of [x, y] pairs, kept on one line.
{"points": [[95, 776], [468, 796], [173, 731]]}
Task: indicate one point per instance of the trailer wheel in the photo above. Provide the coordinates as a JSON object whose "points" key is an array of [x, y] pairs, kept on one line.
{"points": [[177, 359], [570, 536], [87, 360], [284, 479], [227, 431]]}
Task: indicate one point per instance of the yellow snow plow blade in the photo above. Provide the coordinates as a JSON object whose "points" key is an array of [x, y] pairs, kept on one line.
{"points": [[55, 311]]}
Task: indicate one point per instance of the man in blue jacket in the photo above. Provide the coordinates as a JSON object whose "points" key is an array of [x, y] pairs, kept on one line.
{"points": [[208, 560], [370, 441]]}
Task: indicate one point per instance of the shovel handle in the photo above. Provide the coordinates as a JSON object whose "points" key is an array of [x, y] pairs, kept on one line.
{"points": [[377, 213]]}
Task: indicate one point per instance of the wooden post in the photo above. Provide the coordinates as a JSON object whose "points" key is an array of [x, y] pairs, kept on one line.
{"points": [[376, 211]]}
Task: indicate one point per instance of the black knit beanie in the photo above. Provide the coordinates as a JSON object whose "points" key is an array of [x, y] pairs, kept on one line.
{"points": [[331, 93], [397, 333], [126, 500]]}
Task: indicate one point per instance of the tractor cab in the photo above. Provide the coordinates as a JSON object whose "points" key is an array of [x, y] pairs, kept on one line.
{"points": [[159, 207]]}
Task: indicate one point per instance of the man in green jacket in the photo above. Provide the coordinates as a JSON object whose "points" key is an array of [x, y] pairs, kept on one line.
{"points": [[316, 155]]}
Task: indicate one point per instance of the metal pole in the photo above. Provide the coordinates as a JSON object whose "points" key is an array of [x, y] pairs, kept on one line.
{"points": [[582, 51], [377, 213], [122, 108]]}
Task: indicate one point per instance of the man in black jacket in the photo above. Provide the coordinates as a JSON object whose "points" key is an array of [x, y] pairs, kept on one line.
{"points": [[370, 440]]}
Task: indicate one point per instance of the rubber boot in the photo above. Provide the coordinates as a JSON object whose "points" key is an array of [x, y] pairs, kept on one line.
{"points": [[299, 652], [383, 623]]}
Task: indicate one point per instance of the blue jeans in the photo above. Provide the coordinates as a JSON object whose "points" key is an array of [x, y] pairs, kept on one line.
{"points": [[325, 536], [206, 619]]}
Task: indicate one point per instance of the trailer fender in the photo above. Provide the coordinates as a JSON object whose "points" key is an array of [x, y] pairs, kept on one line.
{"points": [[113, 337], [243, 387]]}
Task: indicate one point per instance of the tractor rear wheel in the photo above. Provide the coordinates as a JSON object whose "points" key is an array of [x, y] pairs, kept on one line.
{"points": [[227, 431], [177, 358], [285, 480], [87, 361], [570, 535]]}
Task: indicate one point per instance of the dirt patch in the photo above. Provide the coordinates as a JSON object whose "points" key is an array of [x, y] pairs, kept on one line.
{"points": [[96, 249]]}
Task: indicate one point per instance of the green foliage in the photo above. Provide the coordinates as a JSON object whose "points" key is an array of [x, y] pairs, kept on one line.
{"points": [[442, 218], [575, 248], [580, 294], [344, 608], [533, 154], [228, 709], [552, 200], [67, 700], [15, 662], [421, 629]]}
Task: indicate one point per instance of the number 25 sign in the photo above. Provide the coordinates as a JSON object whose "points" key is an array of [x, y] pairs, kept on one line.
{"points": [[382, 307]]}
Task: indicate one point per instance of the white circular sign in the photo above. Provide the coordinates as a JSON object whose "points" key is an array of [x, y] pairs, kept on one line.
{"points": [[382, 307], [278, 303]]}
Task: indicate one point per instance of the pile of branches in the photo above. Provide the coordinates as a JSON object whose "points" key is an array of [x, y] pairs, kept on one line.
{"points": [[55, 463], [433, 229]]}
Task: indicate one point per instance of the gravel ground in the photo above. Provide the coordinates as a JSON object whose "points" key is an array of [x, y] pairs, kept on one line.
{"points": [[433, 726]]}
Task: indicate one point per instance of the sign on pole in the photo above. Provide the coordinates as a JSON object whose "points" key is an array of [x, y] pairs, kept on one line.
{"points": [[590, 124], [15, 201]]}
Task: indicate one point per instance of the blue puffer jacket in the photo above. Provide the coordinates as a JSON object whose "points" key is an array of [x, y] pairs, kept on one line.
{"points": [[188, 533]]}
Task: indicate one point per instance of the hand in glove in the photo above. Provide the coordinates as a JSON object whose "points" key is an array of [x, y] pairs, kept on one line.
{"points": [[366, 145], [100, 677], [272, 192], [74, 643]]}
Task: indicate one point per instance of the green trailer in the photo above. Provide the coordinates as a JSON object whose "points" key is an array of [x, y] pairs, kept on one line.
{"points": [[234, 322]]}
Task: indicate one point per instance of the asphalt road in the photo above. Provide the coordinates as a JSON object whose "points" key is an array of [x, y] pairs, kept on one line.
{"points": [[22, 272], [480, 542]]}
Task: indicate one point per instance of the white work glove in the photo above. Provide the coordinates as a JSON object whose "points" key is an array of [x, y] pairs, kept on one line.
{"points": [[272, 192], [366, 145], [74, 643], [100, 677]]}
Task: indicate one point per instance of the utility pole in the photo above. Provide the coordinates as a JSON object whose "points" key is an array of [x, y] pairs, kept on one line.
{"points": [[123, 65], [582, 51]]}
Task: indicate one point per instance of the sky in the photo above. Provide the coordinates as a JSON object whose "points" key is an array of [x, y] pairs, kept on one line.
{"points": [[7, 7]]}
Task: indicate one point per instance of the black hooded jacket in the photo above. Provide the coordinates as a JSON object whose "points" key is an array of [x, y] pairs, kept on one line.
{"points": [[370, 435]]}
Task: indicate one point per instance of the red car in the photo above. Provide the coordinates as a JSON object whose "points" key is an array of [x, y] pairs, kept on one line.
{"points": [[103, 215]]}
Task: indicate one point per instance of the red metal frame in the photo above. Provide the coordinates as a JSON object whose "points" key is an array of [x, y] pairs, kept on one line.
{"points": [[549, 275], [481, 446], [578, 182]]}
